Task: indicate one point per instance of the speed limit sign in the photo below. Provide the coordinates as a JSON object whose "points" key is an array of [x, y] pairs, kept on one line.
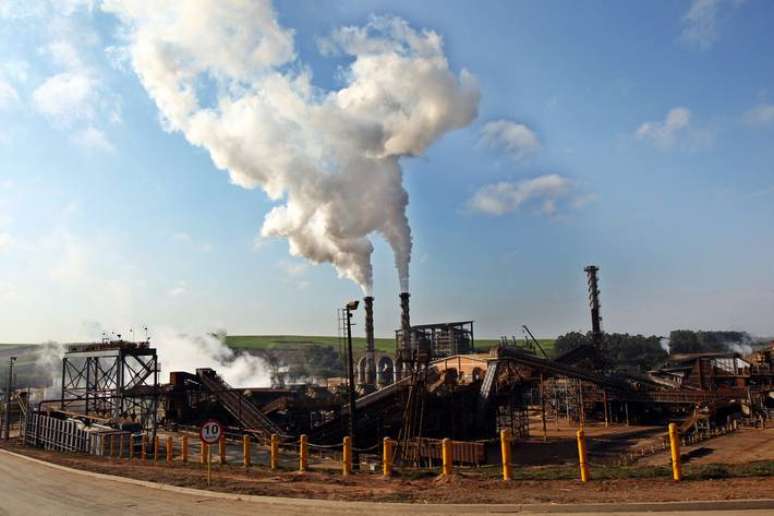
{"points": [[211, 431]]}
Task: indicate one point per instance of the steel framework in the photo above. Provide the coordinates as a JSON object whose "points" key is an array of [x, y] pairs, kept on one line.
{"points": [[113, 379]]}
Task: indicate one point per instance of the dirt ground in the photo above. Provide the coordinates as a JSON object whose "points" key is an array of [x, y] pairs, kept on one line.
{"points": [[746, 445], [460, 488]]}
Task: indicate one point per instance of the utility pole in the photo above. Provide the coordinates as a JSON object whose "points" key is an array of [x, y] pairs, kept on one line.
{"points": [[352, 305], [8, 399]]}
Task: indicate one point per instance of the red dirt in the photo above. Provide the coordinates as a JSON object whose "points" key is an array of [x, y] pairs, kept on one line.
{"points": [[461, 488]]}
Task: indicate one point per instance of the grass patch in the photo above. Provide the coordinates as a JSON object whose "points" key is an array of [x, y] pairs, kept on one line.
{"points": [[698, 472], [386, 345]]}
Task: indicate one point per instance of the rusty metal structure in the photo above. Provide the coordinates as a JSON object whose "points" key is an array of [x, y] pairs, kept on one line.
{"points": [[112, 379], [437, 386]]}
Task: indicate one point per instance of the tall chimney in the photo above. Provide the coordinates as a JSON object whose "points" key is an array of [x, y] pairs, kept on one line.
{"points": [[370, 376], [404, 353], [596, 319]]}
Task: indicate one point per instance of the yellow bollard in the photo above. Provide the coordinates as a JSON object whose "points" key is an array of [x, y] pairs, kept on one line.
{"points": [[222, 448], [204, 451], [447, 457], [170, 450], [346, 456], [674, 444], [387, 457], [144, 448], [156, 446], [505, 450], [303, 453], [274, 452], [184, 448], [246, 450], [584, 466]]}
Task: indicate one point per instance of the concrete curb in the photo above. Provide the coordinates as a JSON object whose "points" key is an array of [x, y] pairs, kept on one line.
{"points": [[362, 507]]}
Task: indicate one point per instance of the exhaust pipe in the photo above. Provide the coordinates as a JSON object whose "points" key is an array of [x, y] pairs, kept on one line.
{"points": [[370, 376]]}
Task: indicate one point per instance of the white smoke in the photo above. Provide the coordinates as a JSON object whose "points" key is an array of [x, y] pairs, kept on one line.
{"points": [[332, 156], [740, 347], [48, 362], [664, 342], [181, 352]]}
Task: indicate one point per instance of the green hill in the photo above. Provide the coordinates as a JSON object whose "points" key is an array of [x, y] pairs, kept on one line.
{"points": [[287, 342]]}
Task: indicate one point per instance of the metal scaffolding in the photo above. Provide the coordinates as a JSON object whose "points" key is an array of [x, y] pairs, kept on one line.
{"points": [[113, 380]]}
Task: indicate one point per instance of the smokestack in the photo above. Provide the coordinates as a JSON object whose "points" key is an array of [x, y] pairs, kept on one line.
{"points": [[370, 376], [596, 318], [405, 321], [403, 362]]}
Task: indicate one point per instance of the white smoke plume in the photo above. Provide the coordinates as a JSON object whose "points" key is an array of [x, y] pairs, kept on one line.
{"points": [[181, 352], [48, 362], [664, 343], [226, 75]]}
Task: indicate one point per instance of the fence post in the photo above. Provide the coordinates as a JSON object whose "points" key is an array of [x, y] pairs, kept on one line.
{"points": [[184, 448], [112, 445], [156, 446], [346, 456], [246, 450], [144, 447], [505, 450], [387, 457], [274, 452], [170, 450], [303, 458], [131, 447], [674, 443], [584, 467], [222, 448], [121, 446], [447, 457]]}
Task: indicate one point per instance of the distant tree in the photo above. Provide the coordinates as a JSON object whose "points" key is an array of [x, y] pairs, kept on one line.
{"points": [[684, 341], [688, 341], [570, 341], [625, 352]]}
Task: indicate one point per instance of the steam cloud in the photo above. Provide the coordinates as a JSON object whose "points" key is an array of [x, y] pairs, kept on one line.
{"points": [[180, 352], [332, 156], [176, 352]]}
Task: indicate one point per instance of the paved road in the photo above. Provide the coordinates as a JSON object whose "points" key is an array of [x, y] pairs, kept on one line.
{"points": [[33, 488]]}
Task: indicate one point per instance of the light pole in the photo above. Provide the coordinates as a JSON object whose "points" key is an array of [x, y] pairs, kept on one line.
{"points": [[8, 399], [352, 305]]}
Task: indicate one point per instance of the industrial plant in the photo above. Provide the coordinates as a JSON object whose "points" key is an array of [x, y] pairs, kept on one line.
{"points": [[437, 384]]}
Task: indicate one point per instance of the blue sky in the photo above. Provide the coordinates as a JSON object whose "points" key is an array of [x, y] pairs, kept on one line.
{"points": [[637, 136]]}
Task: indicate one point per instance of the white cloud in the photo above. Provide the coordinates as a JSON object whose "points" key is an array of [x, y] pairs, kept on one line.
{"points": [[64, 54], [178, 290], [517, 140], [293, 269], [92, 138], [181, 236], [505, 197], [665, 134], [8, 95], [762, 114], [5, 241], [700, 22], [16, 69], [65, 97]]}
